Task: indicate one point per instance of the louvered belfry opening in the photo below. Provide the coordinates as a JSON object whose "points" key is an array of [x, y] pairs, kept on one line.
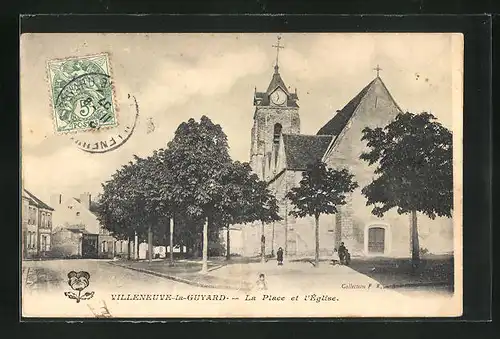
{"points": [[277, 133]]}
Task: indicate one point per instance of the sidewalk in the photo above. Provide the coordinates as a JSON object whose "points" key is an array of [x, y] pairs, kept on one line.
{"points": [[300, 275]]}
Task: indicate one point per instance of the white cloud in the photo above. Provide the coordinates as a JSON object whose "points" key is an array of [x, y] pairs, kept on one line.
{"points": [[177, 82]]}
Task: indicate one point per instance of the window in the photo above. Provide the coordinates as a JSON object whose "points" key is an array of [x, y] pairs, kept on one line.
{"points": [[33, 215], [45, 243], [104, 246], [28, 240], [29, 216], [277, 133], [77, 214], [33, 240]]}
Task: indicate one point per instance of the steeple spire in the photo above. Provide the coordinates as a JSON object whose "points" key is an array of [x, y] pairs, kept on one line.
{"points": [[278, 47]]}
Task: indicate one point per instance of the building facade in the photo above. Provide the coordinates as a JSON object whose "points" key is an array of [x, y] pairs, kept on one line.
{"points": [[77, 231], [280, 154], [36, 226]]}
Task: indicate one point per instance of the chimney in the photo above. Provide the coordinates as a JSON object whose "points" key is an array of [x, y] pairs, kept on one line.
{"points": [[85, 199], [55, 200]]}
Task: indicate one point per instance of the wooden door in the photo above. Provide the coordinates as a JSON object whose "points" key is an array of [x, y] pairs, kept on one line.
{"points": [[376, 240]]}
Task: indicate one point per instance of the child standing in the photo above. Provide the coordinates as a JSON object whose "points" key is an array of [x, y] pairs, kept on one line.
{"points": [[261, 283]]}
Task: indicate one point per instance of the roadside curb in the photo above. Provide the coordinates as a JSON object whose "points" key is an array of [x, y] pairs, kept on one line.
{"points": [[178, 279], [423, 284]]}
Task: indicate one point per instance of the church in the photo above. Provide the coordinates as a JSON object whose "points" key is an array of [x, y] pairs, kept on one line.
{"points": [[280, 153]]}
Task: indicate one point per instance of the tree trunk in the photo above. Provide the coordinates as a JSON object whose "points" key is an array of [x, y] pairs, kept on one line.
{"points": [[228, 244], [272, 243], [415, 248], [171, 222], [204, 267], [129, 249], [316, 234], [136, 246], [286, 230], [166, 244], [262, 244], [150, 244]]}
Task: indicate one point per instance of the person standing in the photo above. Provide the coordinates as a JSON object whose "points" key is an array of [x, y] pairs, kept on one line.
{"points": [[261, 283], [279, 256], [342, 253], [335, 259]]}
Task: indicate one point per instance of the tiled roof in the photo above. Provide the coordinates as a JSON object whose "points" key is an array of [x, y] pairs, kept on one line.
{"points": [[37, 202], [339, 121], [77, 230], [302, 150]]}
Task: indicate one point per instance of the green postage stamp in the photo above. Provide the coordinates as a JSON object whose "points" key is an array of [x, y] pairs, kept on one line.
{"points": [[82, 93]]}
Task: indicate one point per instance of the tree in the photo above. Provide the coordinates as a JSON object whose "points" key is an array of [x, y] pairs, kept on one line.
{"points": [[153, 186], [236, 203], [198, 156], [320, 191], [136, 199], [263, 206], [156, 189], [414, 159], [116, 209]]}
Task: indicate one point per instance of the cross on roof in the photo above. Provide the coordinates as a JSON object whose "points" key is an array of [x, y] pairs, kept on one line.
{"points": [[378, 69], [278, 47]]}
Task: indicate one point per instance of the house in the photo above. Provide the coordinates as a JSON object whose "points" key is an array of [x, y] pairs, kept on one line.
{"points": [[77, 231], [280, 154], [36, 226]]}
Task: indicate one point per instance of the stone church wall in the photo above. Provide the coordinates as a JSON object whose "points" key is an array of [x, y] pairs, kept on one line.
{"points": [[263, 132], [376, 110]]}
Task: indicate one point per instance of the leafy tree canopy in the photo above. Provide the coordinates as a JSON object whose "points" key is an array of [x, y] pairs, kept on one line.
{"points": [[320, 191], [198, 157], [414, 159]]}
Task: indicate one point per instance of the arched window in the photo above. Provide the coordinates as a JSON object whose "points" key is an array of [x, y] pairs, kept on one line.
{"points": [[277, 133]]}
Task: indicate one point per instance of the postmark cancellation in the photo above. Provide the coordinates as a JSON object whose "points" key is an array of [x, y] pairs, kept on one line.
{"points": [[82, 93]]}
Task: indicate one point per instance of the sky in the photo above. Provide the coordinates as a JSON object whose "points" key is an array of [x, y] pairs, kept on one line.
{"points": [[175, 77]]}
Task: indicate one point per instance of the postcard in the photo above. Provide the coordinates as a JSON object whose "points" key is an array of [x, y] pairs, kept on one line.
{"points": [[241, 175]]}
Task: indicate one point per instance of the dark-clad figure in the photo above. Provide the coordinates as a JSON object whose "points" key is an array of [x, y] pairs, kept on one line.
{"points": [[347, 257], [279, 256], [342, 253]]}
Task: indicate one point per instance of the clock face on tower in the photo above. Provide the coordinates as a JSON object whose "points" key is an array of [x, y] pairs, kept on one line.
{"points": [[278, 97]]}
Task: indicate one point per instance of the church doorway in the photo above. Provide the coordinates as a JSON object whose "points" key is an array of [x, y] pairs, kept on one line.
{"points": [[376, 240]]}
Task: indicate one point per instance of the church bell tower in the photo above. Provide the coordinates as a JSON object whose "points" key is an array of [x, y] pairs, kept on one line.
{"points": [[276, 112]]}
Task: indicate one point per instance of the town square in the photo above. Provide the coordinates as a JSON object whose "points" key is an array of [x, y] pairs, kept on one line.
{"points": [[311, 169]]}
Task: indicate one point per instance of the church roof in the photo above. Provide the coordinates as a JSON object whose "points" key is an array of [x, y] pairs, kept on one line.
{"points": [[262, 98], [339, 121], [302, 150], [276, 82]]}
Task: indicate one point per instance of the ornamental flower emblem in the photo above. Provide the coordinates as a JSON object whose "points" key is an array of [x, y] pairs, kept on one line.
{"points": [[79, 281]]}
